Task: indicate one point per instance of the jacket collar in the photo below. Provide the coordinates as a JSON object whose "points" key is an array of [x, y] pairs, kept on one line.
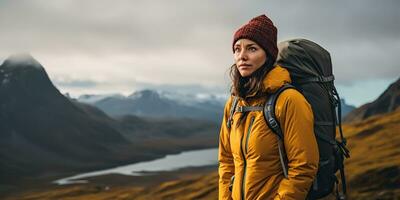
{"points": [[276, 78]]}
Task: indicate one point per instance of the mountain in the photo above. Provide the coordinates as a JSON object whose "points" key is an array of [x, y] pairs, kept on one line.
{"points": [[169, 135], [46, 134], [92, 98], [346, 108], [149, 103], [42, 131], [387, 102]]}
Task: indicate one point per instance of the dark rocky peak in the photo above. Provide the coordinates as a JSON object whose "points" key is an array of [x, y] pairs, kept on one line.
{"points": [[387, 102], [22, 71], [21, 61]]}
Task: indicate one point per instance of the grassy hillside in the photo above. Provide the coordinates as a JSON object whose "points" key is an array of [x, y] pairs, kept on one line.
{"points": [[373, 172], [374, 167], [191, 183]]}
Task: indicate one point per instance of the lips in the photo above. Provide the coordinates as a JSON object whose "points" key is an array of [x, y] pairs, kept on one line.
{"points": [[244, 65]]}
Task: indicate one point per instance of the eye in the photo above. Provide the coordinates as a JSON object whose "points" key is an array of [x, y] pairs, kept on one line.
{"points": [[236, 49], [252, 49]]}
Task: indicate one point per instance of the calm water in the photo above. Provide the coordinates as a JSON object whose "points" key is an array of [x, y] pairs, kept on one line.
{"points": [[196, 158]]}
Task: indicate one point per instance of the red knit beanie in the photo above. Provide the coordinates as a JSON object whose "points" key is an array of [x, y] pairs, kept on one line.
{"points": [[262, 31]]}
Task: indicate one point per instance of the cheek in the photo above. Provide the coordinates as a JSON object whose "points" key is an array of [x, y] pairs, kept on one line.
{"points": [[262, 59], [259, 61]]}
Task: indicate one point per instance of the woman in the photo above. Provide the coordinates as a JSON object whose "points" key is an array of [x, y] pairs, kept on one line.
{"points": [[248, 149]]}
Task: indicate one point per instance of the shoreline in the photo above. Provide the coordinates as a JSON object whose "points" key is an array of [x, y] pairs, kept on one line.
{"points": [[36, 183], [107, 184]]}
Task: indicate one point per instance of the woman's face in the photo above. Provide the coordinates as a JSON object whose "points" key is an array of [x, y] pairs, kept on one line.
{"points": [[249, 56]]}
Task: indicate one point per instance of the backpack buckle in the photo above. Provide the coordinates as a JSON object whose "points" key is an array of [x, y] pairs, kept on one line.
{"points": [[273, 122]]}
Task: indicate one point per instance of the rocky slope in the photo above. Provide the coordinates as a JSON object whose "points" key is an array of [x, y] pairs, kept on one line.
{"points": [[387, 102]]}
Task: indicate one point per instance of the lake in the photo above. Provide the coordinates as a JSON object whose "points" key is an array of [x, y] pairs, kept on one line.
{"points": [[194, 158]]}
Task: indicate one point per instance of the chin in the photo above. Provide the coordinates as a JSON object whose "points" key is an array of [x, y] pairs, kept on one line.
{"points": [[245, 74]]}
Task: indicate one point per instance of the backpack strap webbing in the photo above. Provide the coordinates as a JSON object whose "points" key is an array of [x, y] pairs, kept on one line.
{"points": [[232, 111], [270, 118], [320, 79], [343, 142], [249, 108], [342, 147]]}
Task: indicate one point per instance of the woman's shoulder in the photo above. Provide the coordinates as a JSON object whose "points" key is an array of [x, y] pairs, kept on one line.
{"points": [[292, 102], [292, 96], [229, 101]]}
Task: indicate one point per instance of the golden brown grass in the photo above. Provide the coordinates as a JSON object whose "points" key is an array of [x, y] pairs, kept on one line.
{"points": [[373, 171], [374, 167]]}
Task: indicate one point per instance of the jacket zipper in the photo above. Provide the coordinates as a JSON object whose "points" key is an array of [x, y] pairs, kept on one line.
{"points": [[244, 156]]}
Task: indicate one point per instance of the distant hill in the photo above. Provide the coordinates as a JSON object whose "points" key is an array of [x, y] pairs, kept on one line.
{"points": [[169, 135], [346, 108], [158, 104], [161, 104], [92, 98], [387, 102]]}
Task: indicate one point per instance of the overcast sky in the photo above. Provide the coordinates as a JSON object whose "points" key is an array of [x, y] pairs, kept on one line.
{"points": [[121, 46]]}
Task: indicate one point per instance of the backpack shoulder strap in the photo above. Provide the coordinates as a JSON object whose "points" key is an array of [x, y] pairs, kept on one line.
{"points": [[273, 124], [232, 111], [269, 110]]}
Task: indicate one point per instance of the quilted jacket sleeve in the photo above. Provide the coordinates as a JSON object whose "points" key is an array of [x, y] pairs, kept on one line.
{"points": [[297, 122], [226, 167]]}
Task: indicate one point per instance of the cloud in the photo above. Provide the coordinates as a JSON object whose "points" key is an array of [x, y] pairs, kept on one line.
{"points": [[188, 42], [75, 83], [69, 85]]}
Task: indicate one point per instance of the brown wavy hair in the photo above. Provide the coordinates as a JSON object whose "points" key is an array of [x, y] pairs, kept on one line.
{"points": [[243, 86]]}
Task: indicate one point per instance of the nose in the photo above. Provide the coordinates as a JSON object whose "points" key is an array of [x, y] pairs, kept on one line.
{"points": [[242, 55]]}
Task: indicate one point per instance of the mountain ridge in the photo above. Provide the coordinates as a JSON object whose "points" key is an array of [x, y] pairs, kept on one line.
{"points": [[387, 102]]}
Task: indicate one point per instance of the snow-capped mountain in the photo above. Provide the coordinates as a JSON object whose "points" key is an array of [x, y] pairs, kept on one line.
{"points": [[151, 103], [195, 99]]}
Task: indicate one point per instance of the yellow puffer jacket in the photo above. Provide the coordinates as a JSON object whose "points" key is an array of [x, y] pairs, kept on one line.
{"points": [[250, 150]]}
